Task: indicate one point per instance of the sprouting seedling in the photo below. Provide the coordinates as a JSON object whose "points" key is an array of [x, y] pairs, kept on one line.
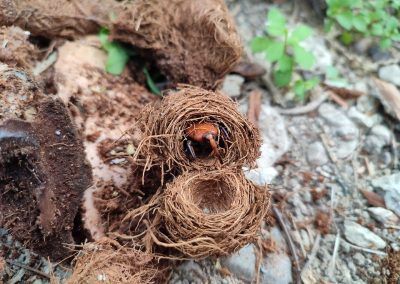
{"points": [[150, 83], [282, 47], [356, 18], [118, 55]]}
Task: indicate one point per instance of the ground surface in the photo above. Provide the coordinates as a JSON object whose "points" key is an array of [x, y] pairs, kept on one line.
{"points": [[333, 169], [319, 164]]}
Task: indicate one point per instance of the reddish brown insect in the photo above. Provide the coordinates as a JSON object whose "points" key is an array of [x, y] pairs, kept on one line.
{"points": [[205, 132]]}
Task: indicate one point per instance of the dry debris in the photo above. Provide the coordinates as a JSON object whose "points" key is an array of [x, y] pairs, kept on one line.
{"points": [[106, 261]]}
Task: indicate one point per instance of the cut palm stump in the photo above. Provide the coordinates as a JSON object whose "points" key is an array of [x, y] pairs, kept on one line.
{"points": [[164, 127], [201, 214], [41, 166]]}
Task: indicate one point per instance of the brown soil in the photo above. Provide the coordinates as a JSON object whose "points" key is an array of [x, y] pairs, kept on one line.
{"points": [[15, 49], [104, 108], [392, 264], [42, 166], [58, 18]]}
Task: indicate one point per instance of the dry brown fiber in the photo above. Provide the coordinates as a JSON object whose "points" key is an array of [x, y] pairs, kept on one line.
{"points": [[204, 213], [106, 261], [191, 42], [164, 123]]}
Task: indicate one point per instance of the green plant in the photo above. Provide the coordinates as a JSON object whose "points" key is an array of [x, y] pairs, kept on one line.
{"points": [[282, 47], [118, 55], [377, 19]]}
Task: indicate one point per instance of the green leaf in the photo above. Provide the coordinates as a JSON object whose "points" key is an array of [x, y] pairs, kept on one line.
{"points": [[377, 29], [285, 63], [300, 33], [328, 24], [395, 37], [275, 51], [385, 43], [360, 23], [302, 57], [276, 23], [299, 89], [332, 73], [117, 59], [260, 44], [150, 83], [346, 38], [282, 78], [103, 37], [311, 83], [345, 20]]}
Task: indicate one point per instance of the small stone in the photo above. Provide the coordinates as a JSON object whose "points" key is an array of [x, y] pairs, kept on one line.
{"points": [[391, 185], [379, 137], [377, 54], [383, 215], [316, 154], [361, 236], [232, 85], [58, 132], [361, 118], [390, 73], [276, 269], [242, 263], [359, 259], [367, 104], [383, 133], [344, 132]]}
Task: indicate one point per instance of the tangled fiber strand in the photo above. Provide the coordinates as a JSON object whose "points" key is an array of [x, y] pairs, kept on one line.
{"points": [[211, 213], [106, 261], [163, 125]]}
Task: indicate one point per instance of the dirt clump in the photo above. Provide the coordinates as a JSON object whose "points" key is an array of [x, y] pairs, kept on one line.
{"points": [[15, 49], [60, 18], [104, 108], [109, 262], [164, 123], [190, 42], [42, 165]]}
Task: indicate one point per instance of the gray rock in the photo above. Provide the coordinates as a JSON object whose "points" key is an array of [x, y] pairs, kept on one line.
{"points": [[391, 185], [359, 259], [242, 263], [276, 269], [232, 85], [344, 132], [361, 118], [383, 133], [379, 137], [361, 236], [390, 73], [275, 143], [383, 215], [367, 104], [316, 154]]}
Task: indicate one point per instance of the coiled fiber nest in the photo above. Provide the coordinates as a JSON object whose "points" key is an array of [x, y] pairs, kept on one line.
{"points": [[211, 213], [106, 261], [163, 126]]}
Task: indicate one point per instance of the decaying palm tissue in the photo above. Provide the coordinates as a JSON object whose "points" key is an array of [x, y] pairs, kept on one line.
{"points": [[178, 141]]}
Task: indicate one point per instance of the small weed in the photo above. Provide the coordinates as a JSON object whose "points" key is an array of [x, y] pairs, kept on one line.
{"points": [[356, 18], [282, 47], [118, 55]]}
